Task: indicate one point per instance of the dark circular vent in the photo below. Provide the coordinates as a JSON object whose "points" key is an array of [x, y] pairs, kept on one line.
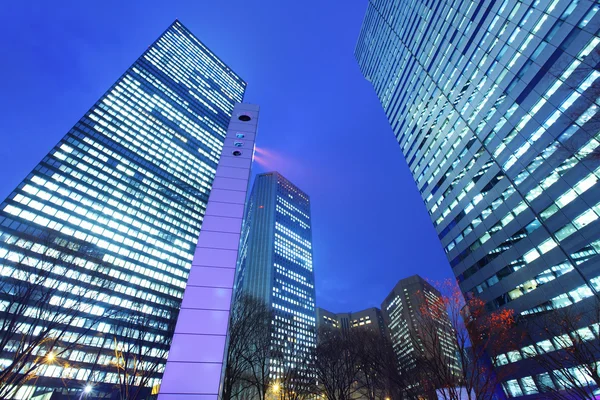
{"points": [[244, 118]]}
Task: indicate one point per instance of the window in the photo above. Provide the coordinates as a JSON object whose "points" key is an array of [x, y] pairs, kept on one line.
{"points": [[565, 232], [585, 219], [528, 385], [501, 360], [585, 334], [545, 346], [529, 351], [514, 356], [544, 382], [512, 388]]}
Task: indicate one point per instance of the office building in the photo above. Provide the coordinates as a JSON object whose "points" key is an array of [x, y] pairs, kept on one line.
{"points": [[125, 189], [370, 319], [275, 266], [494, 105], [405, 309], [327, 319]]}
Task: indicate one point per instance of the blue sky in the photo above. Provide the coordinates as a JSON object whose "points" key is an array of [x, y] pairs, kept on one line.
{"points": [[321, 123]]}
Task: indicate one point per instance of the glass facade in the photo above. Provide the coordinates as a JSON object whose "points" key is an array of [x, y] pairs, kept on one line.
{"points": [[275, 266], [126, 188], [494, 105]]}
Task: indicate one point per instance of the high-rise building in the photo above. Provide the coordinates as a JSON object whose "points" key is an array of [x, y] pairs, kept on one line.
{"points": [[494, 105], [370, 319], [126, 188], [275, 266], [403, 311]]}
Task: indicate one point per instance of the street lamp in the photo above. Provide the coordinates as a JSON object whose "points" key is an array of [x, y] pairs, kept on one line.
{"points": [[50, 357], [86, 390], [275, 387]]}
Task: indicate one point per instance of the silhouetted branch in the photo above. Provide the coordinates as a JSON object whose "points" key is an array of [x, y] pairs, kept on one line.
{"points": [[52, 294]]}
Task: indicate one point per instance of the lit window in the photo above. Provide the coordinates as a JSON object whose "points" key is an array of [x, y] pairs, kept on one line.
{"points": [[585, 219], [531, 255], [513, 388]]}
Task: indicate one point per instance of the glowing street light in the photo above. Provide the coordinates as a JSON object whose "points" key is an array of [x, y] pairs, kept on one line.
{"points": [[275, 388], [50, 357], [87, 389]]}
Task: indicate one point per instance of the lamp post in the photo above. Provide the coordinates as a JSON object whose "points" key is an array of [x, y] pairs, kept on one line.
{"points": [[275, 389], [88, 387]]}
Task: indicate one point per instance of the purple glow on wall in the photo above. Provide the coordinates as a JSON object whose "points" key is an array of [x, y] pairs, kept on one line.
{"points": [[195, 361]]}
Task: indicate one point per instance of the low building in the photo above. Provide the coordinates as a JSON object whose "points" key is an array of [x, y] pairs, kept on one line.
{"points": [[370, 319]]}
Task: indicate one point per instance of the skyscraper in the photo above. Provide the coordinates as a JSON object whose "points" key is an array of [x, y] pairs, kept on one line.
{"points": [[126, 190], [275, 265], [494, 105], [403, 311]]}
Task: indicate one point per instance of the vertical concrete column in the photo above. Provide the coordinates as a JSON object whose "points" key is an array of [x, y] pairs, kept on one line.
{"points": [[195, 360]]}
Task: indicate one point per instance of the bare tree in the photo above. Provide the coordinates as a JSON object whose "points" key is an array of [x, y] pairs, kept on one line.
{"points": [[248, 329], [51, 296], [296, 379], [380, 375], [565, 344], [360, 364], [260, 363], [248, 372], [396, 381], [259, 377], [476, 334], [336, 365], [142, 337], [368, 346]]}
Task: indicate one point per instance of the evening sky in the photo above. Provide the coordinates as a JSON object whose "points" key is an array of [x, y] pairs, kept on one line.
{"points": [[321, 124]]}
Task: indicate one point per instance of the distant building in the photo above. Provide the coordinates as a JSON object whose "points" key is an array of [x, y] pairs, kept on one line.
{"points": [[403, 309], [275, 265], [327, 319], [369, 319]]}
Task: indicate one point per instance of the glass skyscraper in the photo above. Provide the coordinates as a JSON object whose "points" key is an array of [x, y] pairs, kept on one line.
{"points": [[275, 266], [494, 104], [126, 188]]}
